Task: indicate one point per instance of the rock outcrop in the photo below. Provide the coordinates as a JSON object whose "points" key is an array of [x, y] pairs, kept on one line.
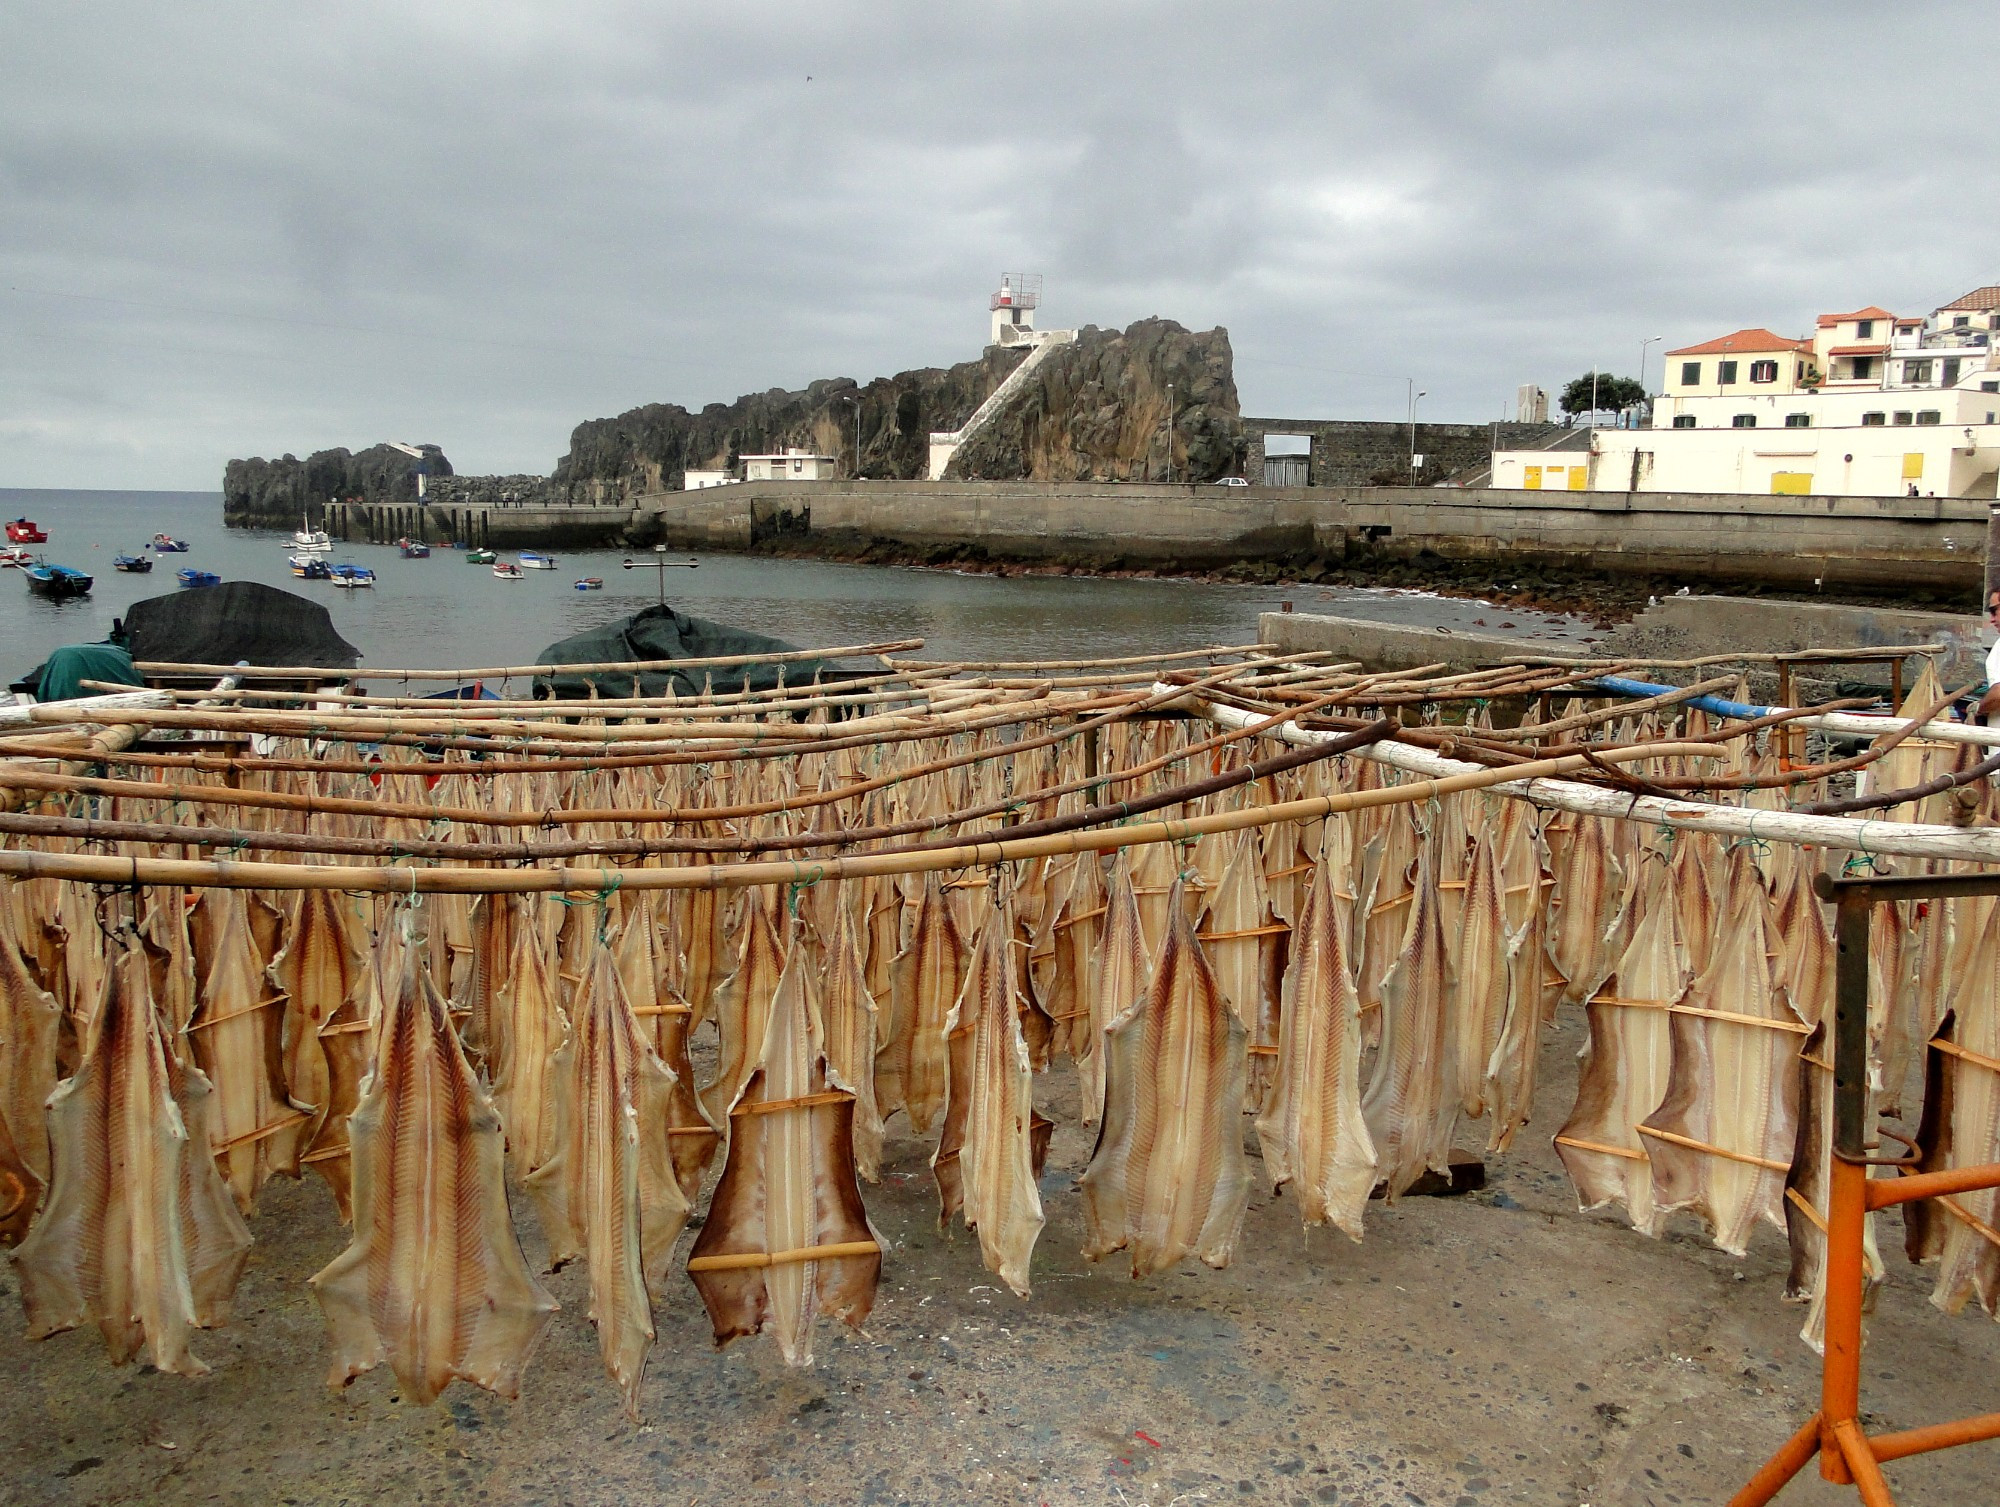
{"points": [[273, 492], [1098, 410]]}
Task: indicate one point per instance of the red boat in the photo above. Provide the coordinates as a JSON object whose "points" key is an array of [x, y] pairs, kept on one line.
{"points": [[25, 531]]}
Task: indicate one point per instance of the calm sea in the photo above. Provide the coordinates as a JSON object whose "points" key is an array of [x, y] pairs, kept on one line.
{"points": [[441, 613]]}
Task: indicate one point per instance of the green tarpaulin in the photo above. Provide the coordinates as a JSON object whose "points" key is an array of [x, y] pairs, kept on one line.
{"points": [[662, 633], [60, 677]]}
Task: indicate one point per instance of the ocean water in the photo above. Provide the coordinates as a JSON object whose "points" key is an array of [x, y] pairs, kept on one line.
{"points": [[441, 613]]}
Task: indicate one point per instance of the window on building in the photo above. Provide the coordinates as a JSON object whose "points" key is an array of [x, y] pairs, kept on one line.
{"points": [[1917, 373], [1864, 329], [1960, 321], [1949, 375], [1864, 368], [1798, 421], [1744, 421], [1989, 386], [1928, 415], [1904, 416], [1683, 421], [1873, 419], [1725, 372], [1690, 374], [1763, 371]]}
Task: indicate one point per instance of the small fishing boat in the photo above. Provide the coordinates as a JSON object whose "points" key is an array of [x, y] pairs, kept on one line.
{"points": [[312, 540], [591, 583], [306, 568], [351, 576], [167, 544], [480, 557], [506, 570], [58, 581], [26, 531], [414, 549], [132, 565], [532, 561], [14, 555], [189, 576]]}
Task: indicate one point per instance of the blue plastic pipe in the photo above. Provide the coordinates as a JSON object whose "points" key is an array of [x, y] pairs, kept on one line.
{"points": [[1741, 710]]}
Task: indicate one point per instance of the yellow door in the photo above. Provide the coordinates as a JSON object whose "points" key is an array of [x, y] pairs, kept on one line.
{"points": [[1531, 478], [1791, 483], [1913, 465], [1579, 478]]}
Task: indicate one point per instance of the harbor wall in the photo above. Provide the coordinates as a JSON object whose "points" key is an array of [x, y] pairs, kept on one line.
{"points": [[1878, 544], [501, 527]]}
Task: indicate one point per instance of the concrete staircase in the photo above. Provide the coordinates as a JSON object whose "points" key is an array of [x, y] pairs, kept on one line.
{"points": [[944, 445]]}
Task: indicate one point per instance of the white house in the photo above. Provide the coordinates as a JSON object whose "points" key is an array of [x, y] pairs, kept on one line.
{"points": [[1872, 404], [791, 464], [693, 480]]}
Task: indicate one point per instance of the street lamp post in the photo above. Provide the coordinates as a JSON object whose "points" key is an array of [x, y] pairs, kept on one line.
{"points": [[1652, 340], [1411, 384], [662, 567], [848, 397]]}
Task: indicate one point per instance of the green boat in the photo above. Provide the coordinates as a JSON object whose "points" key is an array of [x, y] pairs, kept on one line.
{"points": [[479, 557]]}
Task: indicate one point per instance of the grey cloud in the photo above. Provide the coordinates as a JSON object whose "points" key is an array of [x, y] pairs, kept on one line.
{"points": [[242, 228]]}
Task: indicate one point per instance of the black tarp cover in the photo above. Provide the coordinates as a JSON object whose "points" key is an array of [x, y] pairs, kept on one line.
{"points": [[238, 620], [662, 633]]}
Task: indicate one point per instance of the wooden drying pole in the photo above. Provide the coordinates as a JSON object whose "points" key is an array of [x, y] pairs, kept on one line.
{"points": [[225, 874]]}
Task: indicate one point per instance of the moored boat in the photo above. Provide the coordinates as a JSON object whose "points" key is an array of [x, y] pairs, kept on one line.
{"points": [[135, 565], [351, 576], [506, 570], [58, 581], [26, 531], [591, 583], [480, 557], [530, 560], [13, 554], [414, 549], [315, 541], [189, 576], [167, 544], [306, 568]]}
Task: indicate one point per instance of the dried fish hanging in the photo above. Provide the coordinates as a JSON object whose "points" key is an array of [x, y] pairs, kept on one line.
{"points": [[645, 963], [30, 1018], [786, 1235], [911, 1062], [329, 998], [1412, 1099]]}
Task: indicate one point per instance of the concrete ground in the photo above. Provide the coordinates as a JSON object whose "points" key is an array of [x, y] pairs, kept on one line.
{"points": [[1497, 1347]]}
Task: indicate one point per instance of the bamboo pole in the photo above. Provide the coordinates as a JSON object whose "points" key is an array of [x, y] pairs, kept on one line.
{"points": [[226, 874], [508, 672], [1899, 839]]}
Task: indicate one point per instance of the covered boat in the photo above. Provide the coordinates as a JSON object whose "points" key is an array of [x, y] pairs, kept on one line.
{"points": [[25, 531], [132, 565], [61, 676], [189, 576], [657, 633], [58, 581], [352, 576], [238, 621]]}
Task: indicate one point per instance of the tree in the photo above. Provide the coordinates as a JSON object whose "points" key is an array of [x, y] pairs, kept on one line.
{"points": [[1611, 394]]}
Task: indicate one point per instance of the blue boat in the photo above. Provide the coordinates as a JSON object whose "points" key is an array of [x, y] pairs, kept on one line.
{"points": [[351, 576], [530, 560], [137, 565], [414, 549], [189, 576], [591, 583], [57, 582], [306, 568]]}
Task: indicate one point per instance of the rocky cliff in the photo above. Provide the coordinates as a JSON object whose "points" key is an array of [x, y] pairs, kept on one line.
{"points": [[274, 492], [1099, 410]]}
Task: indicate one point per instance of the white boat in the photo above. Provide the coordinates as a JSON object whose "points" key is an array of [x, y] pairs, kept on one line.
{"points": [[507, 571], [311, 540], [16, 556], [532, 561]]}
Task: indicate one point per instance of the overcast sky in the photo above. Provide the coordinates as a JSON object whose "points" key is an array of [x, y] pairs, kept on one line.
{"points": [[246, 229]]}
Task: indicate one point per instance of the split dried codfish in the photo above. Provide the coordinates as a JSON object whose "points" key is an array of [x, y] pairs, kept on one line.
{"points": [[910, 1064], [1485, 953], [608, 1192], [1722, 1139], [1587, 895], [1626, 1060], [1964, 1128], [743, 1003], [1382, 901], [20, 1191], [985, 1162], [1805, 961], [30, 1020], [238, 1038], [786, 1235], [1122, 975], [1168, 1178], [494, 921], [644, 964], [1411, 1103], [1073, 974], [434, 1281], [139, 1234], [524, 1030], [324, 974], [1806, 1197], [1531, 995], [1242, 936], [1312, 1131], [848, 1016]]}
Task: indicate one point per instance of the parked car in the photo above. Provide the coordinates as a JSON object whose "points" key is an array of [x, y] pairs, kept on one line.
{"points": [[1231, 481]]}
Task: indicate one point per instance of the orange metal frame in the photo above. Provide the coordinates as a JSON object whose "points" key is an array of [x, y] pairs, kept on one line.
{"points": [[1848, 1455]]}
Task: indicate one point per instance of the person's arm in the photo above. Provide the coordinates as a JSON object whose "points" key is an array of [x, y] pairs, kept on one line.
{"points": [[1989, 704]]}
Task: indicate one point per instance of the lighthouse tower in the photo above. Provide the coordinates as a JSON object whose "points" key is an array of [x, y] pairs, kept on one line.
{"points": [[1014, 308]]}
